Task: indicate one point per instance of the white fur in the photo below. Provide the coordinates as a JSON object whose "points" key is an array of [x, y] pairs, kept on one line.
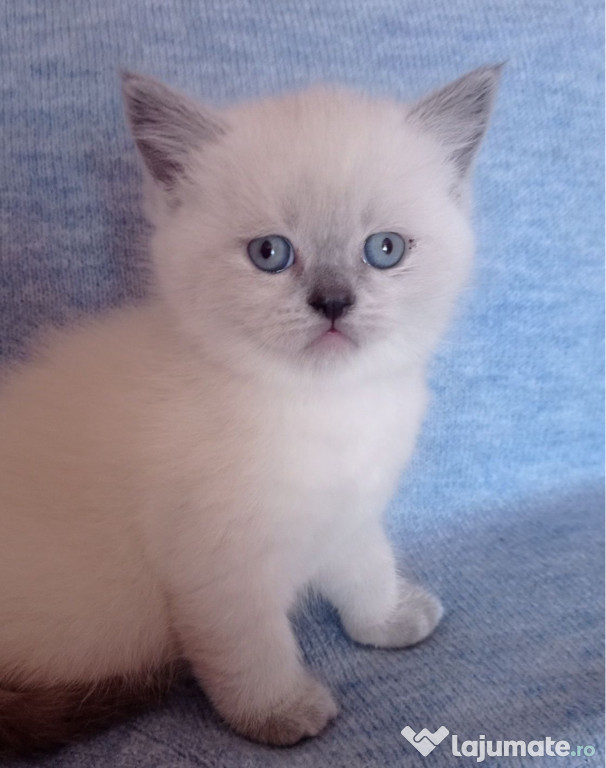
{"points": [[175, 474]]}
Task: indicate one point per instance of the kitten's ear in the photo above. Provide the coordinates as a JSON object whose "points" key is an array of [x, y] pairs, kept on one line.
{"points": [[457, 115], [166, 126]]}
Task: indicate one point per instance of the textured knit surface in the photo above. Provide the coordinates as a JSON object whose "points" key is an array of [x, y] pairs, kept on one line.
{"points": [[501, 510]]}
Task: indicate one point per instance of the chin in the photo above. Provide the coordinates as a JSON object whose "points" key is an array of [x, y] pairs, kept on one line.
{"points": [[328, 352]]}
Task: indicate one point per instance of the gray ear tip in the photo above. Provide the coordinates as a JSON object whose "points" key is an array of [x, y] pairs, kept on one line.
{"points": [[481, 84], [494, 69], [498, 70], [489, 75], [127, 76], [137, 87], [132, 81]]}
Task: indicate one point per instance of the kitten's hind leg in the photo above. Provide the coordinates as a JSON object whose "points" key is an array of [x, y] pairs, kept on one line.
{"points": [[376, 605]]}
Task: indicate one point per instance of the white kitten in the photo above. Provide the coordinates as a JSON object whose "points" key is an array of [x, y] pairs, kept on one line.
{"points": [[173, 475]]}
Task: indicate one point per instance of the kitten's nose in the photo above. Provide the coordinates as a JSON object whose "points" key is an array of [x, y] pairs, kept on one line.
{"points": [[331, 306]]}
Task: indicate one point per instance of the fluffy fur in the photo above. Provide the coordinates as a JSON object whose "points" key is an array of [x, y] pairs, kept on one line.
{"points": [[173, 475]]}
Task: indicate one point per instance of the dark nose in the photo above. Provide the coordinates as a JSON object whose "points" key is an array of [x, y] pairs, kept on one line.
{"points": [[331, 306]]}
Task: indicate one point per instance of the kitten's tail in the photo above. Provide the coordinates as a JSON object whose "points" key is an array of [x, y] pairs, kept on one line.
{"points": [[38, 719]]}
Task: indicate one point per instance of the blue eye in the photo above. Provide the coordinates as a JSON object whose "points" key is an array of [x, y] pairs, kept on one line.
{"points": [[384, 250], [273, 253]]}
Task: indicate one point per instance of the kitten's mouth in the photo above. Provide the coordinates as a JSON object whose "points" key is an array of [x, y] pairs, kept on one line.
{"points": [[332, 338]]}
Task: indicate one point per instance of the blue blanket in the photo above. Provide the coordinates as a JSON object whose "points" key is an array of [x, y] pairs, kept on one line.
{"points": [[501, 510]]}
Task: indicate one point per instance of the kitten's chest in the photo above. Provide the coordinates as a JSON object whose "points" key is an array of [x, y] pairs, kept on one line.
{"points": [[341, 452]]}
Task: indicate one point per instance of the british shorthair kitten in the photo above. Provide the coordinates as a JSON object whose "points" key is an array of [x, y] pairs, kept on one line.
{"points": [[175, 474]]}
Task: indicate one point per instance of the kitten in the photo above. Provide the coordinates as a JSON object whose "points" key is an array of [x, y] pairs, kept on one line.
{"points": [[173, 475]]}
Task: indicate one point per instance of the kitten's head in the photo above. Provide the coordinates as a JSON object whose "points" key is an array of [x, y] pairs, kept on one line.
{"points": [[316, 231]]}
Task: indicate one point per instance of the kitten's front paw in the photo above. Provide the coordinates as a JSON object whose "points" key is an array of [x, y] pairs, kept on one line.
{"points": [[417, 614], [303, 714]]}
